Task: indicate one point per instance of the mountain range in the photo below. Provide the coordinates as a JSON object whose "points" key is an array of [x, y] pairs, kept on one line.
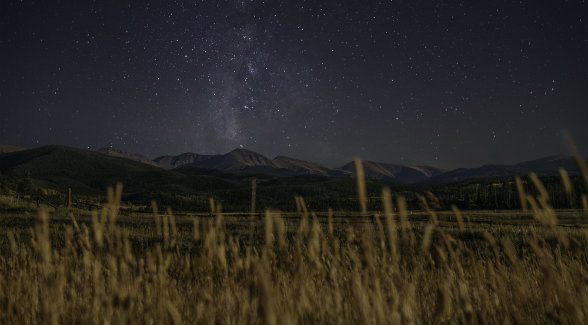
{"points": [[127, 155], [246, 162], [186, 182], [546, 166]]}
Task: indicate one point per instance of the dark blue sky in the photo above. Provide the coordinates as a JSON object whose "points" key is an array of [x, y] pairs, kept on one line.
{"points": [[456, 84]]}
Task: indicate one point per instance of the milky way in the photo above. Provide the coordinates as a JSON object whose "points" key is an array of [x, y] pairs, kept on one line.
{"points": [[446, 84]]}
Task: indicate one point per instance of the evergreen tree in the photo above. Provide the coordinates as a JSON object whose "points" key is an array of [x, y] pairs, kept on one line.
{"points": [[25, 186], [3, 184]]}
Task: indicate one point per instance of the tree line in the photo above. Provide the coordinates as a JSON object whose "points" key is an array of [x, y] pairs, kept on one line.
{"points": [[320, 194]]}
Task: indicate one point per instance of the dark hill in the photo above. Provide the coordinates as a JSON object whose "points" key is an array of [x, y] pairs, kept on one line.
{"points": [[394, 172], [4, 148], [237, 159], [305, 167], [547, 166], [90, 172], [188, 158], [127, 155]]}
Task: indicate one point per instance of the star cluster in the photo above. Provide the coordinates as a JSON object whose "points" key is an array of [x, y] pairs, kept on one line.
{"points": [[448, 84]]}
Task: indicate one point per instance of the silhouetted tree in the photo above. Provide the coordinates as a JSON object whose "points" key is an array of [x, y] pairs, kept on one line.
{"points": [[25, 185], [3, 184]]}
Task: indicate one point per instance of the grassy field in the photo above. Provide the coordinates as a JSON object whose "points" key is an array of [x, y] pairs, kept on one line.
{"points": [[118, 264], [390, 266]]}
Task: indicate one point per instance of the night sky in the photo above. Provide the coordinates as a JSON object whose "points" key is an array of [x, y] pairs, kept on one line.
{"points": [[453, 84]]}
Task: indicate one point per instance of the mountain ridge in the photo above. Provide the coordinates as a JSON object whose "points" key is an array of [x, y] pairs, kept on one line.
{"points": [[85, 171], [395, 172], [5, 148], [244, 161], [404, 174], [173, 162], [110, 151], [544, 166]]}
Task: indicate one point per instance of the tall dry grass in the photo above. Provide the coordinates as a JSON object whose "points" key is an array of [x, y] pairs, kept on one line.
{"points": [[387, 270]]}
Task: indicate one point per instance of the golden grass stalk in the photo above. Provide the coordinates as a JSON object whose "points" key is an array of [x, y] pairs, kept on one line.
{"points": [[425, 206], [404, 224], [74, 222], [579, 158], [427, 235], [542, 212], [268, 229], [565, 179], [330, 221], [11, 242], [165, 231], [390, 223], [522, 194], [266, 308], [490, 239], [219, 222], [444, 306], [279, 229], [458, 216], [42, 241], [196, 229], [303, 228], [380, 229], [212, 205], [98, 228], [509, 251], [172, 222], [156, 219], [361, 189], [433, 199], [539, 186], [174, 313], [116, 202], [314, 243]]}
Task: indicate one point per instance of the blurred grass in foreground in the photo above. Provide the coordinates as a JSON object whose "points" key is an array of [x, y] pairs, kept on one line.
{"points": [[387, 267]]}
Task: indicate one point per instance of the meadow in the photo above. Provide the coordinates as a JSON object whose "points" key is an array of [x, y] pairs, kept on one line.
{"points": [[392, 265]]}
